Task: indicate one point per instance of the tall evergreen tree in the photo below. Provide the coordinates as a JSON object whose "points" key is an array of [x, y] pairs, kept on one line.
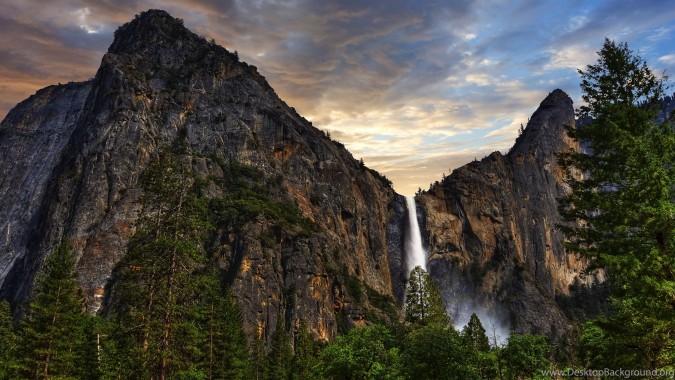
{"points": [[473, 337], [305, 364], [223, 346], [155, 292], [8, 342], [278, 361], [258, 362], [623, 202], [423, 304], [52, 334], [474, 334]]}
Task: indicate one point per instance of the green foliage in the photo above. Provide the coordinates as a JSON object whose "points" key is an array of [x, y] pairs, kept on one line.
{"points": [[625, 205], [278, 360], [474, 338], [174, 317], [595, 347], [474, 335], [436, 352], [353, 285], [424, 305], [52, 335], [222, 347], [526, 356], [364, 353], [247, 198], [8, 342], [155, 289], [258, 367], [305, 364]]}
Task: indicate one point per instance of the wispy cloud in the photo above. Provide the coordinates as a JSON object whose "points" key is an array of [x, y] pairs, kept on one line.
{"points": [[415, 89], [668, 59]]}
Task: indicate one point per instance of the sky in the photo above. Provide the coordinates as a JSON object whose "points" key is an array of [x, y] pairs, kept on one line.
{"points": [[414, 88]]}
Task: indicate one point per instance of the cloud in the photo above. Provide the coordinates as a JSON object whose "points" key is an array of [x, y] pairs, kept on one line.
{"points": [[668, 59], [415, 89]]}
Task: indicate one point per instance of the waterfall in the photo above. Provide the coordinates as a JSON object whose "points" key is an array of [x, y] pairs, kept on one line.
{"points": [[414, 252]]}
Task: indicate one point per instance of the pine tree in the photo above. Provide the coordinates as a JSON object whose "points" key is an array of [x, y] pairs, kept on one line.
{"points": [[52, 334], [624, 206], [474, 335], [155, 292], [305, 364], [258, 367], [8, 342], [278, 360], [223, 345], [423, 304], [474, 338]]}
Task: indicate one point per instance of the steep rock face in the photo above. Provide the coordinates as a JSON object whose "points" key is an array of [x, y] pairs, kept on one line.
{"points": [[159, 82], [32, 137], [493, 242]]}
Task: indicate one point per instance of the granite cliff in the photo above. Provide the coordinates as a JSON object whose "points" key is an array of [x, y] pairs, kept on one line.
{"points": [[493, 240], [72, 157]]}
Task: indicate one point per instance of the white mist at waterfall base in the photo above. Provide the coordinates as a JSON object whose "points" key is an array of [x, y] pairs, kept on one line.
{"points": [[460, 302], [414, 252], [495, 329]]}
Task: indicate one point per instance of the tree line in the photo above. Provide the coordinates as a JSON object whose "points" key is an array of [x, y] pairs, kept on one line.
{"points": [[58, 339], [171, 314]]}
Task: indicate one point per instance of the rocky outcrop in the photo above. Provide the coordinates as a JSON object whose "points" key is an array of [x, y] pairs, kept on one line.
{"points": [[72, 156], [32, 138], [494, 245]]}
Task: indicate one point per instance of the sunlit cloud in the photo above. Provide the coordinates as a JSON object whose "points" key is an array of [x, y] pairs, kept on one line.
{"points": [[415, 89], [668, 59]]}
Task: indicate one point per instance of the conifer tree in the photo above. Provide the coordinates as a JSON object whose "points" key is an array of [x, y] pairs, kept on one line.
{"points": [[224, 353], [258, 360], [624, 206], [305, 364], [155, 292], [8, 342], [51, 335], [423, 304], [278, 360], [474, 335]]}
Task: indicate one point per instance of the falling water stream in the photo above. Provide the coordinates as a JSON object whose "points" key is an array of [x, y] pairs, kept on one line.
{"points": [[414, 252], [462, 305]]}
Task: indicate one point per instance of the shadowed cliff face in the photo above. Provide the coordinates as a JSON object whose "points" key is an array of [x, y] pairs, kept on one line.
{"points": [[72, 157], [493, 242]]}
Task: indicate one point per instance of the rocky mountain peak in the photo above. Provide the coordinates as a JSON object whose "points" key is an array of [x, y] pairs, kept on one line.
{"points": [[150, 27], [319, 221], [545, 132]]}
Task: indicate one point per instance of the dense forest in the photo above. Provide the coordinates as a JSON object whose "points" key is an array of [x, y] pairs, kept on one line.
{"points": [[171, 314]]}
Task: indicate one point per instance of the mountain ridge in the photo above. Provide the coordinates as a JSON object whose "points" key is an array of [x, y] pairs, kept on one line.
{"points": [[158, 83]]}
